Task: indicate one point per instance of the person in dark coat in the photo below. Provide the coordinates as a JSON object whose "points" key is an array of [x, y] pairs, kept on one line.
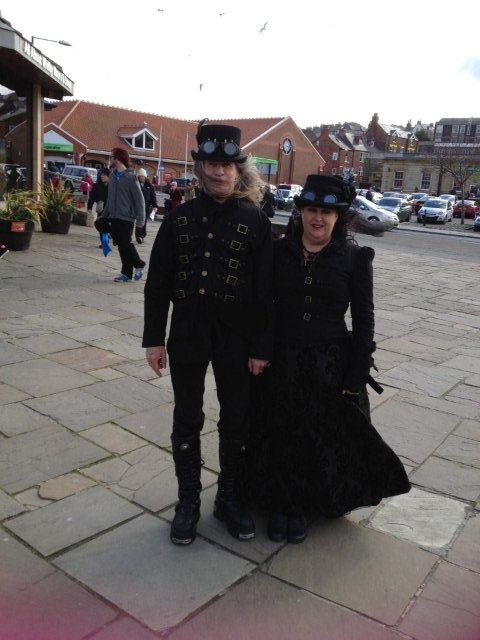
{"points": [[312, 449], [212, 259], [268, 202], [99, 195], [175, 195], [150, 198]]}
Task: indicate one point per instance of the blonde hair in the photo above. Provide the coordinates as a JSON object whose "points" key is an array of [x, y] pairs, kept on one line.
{"points": [[249, 184]]}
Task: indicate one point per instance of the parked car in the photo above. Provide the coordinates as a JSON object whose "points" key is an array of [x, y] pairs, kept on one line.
{"points": [[73, 174], [398, 206], [393, 194], [283, 197], [471, 209], [370, 211], [296, 188], [436, 210], [476, 223], [376, 195], [448, 196]]}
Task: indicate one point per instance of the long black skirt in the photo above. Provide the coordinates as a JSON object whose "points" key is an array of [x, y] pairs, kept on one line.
{"points": [[311, 449]]}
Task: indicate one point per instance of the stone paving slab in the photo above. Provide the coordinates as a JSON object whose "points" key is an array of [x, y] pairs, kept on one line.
{"points": [[127, 346], [145, 476], [466, 549], [10, 394], [427, 519], [449, 607], [64, 486], [130, 394], [47, 343], [449, 477], [71, 520], [91, 333], [76, 409], [86, 315], [154, 425], [124, 629], [339, 559], [469, 429], [9, 507], [107, 373], [263, 607], [86, 358], [415, 377], [42, 377], [32, 458], [456, 408], [460, 449], [10, 354], [31, 500], [16, 419], [137, 568], [129, 325], [413, 432], [113, 438], [257, 550], [464, 363]]}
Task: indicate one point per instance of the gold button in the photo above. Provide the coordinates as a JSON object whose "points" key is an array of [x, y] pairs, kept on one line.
{"points": [[207, 254], [210, 236], [201, 291], [204, 273], [204, 219]]}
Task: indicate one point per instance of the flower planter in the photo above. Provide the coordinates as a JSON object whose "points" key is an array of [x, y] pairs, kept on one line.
{"points": [[56, 223], [16, 234]]}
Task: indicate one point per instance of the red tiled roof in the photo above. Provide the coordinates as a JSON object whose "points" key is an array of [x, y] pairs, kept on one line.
{"points": [[99, 126]]}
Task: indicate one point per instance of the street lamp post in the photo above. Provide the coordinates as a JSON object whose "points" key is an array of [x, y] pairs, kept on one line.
{"points": [[62, 42]]}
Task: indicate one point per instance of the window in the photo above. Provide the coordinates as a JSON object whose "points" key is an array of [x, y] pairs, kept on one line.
{"points": [[143, 141], [335, 155], [426, 180], [360, 172], [362, 157], [398, 180], [334, 171]]}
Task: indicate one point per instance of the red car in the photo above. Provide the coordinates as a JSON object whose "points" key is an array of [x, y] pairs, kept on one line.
{"points": [[471, 209]]}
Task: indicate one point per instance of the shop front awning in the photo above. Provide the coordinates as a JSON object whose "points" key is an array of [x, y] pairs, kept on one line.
{"points": [[258, 160], [22, 65]]}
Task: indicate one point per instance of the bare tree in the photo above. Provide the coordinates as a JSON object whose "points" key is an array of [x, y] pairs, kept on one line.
{"points": [[460, 164]]}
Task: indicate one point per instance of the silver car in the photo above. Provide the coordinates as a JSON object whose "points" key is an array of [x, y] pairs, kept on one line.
{"points": [[370, 211], [436, 210]]}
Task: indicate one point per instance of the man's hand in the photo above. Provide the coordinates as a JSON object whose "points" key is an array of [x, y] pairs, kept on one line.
{"points": [[257, 366], [157, 358]]}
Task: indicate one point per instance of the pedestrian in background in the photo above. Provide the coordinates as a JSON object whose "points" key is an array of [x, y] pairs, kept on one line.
{"points": [[86, 185], [175, 196], [148, 192], [125, 209], [213, 258]]}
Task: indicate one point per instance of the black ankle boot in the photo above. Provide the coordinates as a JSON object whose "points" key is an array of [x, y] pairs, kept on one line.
{"points": [[277, 527], [186, 455], [228, 509], [297, 528]]}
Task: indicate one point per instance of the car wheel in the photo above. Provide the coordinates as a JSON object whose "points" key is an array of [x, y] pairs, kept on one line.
{"points": [[373, 219]]}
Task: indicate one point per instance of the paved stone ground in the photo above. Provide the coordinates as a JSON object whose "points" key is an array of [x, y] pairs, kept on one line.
{"points": [[87, 483]]}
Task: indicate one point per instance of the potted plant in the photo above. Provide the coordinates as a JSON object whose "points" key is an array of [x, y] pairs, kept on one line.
{"points": [[18, 215], [57, 209]]}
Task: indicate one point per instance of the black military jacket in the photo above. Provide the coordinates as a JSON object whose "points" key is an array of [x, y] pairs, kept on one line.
{"points": [[312, 298], [211, 260]]}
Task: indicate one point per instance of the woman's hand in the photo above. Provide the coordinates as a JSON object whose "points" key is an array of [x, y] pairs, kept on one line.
{"points": [[256, 366], [157, 358]]}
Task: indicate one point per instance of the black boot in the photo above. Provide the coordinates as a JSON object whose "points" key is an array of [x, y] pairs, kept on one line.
{"points": [[227, 507], [186, 454], [277, 527], [297, 528]]}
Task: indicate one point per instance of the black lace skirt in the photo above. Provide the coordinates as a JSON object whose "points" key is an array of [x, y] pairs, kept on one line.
{"points": [[310, 448]]}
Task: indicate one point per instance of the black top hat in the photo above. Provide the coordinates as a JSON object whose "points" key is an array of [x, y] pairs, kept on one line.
{"points": [[326, 192], [218, 143]]}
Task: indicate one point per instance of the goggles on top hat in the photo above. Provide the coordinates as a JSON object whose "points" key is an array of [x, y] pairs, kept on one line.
{"points": [[312, 197], [229, 148]]}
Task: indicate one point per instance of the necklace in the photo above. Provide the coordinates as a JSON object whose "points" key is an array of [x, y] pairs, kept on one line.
{"points": [[309, 256]]}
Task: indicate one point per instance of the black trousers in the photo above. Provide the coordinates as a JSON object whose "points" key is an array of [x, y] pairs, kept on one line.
{"points": [[121, 231], [141, 232], [233, 379]]}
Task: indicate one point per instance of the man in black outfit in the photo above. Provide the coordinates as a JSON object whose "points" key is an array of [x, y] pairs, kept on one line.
{"points": [[213, 259]]}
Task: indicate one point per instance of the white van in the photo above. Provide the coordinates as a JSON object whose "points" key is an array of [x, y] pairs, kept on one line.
{"points": [[73, 174], [293, 188]]}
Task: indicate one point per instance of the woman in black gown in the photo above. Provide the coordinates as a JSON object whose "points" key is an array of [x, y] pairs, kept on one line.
{"points": [[313, 450]]}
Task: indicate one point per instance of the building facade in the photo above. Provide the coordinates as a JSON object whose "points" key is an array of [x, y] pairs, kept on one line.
{"points": [[84, 133], [342, 150]]}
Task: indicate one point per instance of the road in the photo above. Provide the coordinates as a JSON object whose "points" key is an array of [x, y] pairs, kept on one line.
{"points": [[441, 246]]}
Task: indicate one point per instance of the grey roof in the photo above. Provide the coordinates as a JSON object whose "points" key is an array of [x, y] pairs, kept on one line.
{"points": [[399, 131], [359, 146], [337, 140], [459, 121]]}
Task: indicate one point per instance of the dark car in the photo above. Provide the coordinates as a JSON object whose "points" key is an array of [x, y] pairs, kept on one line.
{"points": [[476, 224], [419, 200], [398, 206], [471, 209]]}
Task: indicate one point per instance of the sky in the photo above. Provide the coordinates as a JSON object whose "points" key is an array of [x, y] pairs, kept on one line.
{"points": [[316, 61]]}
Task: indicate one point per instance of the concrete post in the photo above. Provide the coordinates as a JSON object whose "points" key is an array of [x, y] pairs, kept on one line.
{"points": [[35, 119]]}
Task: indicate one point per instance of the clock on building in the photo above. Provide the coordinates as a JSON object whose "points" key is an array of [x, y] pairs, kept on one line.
{"points": [[287, 146]]}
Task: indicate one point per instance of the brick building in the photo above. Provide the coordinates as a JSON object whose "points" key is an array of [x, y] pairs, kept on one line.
{"points": [[79, 132], [342, 149], [390, 138]]}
